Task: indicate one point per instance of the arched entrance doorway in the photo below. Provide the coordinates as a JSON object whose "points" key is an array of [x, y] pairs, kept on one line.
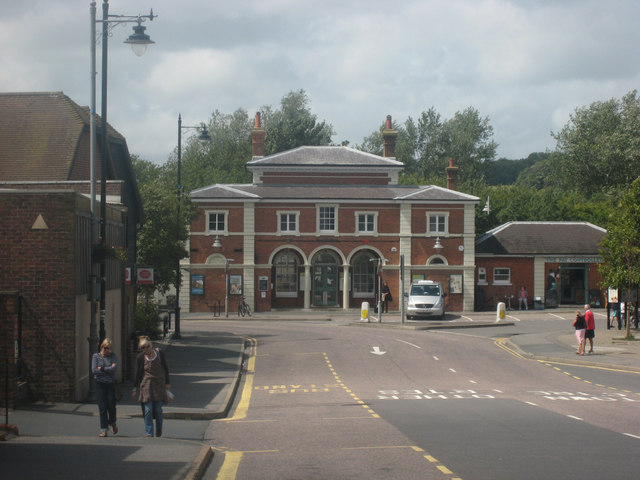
{"points": [[325, 279]]}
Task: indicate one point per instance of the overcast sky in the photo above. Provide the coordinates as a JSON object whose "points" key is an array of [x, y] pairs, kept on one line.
{"points": [[525, 64]]}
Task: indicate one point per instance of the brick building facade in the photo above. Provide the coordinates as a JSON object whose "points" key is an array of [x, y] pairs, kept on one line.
{"points": [[321, 227], [556, 262], [46, 245]]}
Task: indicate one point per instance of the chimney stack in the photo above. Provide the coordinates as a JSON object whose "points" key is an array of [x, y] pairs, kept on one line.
{"points": [[452, 175], [389, 140], [257, 137]]}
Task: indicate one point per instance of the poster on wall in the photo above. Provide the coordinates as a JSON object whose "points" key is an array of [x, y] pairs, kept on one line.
{"points": [[197, 284], [455, 283], [235, 284], [417, 276]]}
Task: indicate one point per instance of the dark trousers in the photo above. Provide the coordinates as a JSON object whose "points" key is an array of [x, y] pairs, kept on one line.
{"points": [[106, 394]]}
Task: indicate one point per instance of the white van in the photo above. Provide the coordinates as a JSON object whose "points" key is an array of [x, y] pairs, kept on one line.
{"points": [[426, 298]]}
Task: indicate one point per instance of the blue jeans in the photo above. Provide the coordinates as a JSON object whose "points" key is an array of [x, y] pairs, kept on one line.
{"points": [[152, 410], [106, 395]]}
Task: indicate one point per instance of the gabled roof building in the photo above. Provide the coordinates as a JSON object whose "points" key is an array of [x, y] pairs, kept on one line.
{"points": [[556, 263], [323, 227]]}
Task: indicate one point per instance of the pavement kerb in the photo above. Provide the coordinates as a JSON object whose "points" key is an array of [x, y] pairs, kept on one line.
{"points": [[576, 361], [199, 414], [200, 463]]}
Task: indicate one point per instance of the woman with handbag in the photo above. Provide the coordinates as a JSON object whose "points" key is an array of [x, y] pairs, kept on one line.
{"points": [[104, 365], [152, 384]]}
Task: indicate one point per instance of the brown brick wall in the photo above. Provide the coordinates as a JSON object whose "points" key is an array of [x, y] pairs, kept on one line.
{"points": [[39, 264]]}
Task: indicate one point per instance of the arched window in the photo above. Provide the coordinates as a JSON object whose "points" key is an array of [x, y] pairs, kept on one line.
{"points": [[363, 276], [437, 260], [286, 266]]}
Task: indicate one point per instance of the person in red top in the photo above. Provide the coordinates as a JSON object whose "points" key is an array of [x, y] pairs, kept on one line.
{"points": [[590, 333]]}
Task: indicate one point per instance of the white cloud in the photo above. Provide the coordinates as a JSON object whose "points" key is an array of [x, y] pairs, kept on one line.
{"points": [[526, 64]]}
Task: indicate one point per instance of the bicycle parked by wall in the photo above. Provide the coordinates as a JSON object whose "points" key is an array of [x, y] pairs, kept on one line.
{"points": [[243, 308]]}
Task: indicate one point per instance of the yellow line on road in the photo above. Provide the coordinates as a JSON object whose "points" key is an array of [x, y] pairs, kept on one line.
{"points": [[245, 398], [230, 466]]}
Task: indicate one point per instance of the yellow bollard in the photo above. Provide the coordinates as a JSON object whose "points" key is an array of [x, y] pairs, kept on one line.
{"points": [[364, 312], [500, 312]]}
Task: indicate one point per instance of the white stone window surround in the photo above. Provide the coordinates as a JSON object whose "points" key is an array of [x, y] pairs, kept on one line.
{"points": [[445, 220], [319, 208], [279, 214], [501, 276], [375, 223], [482, 276], [225, 230]]}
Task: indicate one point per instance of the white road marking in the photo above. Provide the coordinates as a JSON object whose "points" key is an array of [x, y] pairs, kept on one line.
{"points": [[575, 418], [532, 404], [467, 318], [631, 435], [516, 319], [452, 370], [435, 358], [413, 345], [557, 316]]}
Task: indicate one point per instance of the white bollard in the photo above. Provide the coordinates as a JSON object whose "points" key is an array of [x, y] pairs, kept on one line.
{"points": [[364, 312], [500, 312]]}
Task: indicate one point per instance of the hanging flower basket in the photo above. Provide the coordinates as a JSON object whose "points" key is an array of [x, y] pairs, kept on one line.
{"points": [[102, 251]]}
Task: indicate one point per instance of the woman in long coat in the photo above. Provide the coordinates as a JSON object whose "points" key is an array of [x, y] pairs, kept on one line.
{"points": [[152, 384]]}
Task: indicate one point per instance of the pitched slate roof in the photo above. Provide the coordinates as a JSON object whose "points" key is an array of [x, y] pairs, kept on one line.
{"points": [[335, 157], [40, 136], [374, 193], [541, 238]]}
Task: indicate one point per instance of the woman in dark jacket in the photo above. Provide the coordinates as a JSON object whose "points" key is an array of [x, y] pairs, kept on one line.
{"points": [[152, 384], [103, 366]]}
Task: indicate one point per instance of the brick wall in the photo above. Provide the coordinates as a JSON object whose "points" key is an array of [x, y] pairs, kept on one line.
{"points": [[39, 264]]}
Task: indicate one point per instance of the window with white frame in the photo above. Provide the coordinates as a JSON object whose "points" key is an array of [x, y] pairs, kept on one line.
{"points": [[288, 222], [366, 222], [327, 218], [286, 267], [502, 276], [217, 221], [437, 223], [364, 276], [482, 276]]}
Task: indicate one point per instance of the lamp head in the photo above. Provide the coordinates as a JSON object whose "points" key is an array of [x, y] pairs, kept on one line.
{"points": [[139, 40], [203, 136]]}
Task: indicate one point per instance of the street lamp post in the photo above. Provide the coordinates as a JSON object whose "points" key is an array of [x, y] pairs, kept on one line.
{"points": [[139, 42], [226, 285], [202, 137]]}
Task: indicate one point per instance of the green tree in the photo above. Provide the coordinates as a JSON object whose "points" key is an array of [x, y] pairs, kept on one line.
{"points": [[601, 146], [621, 246], [293, 125], [162, 237], [426, 146], [469, 142]]}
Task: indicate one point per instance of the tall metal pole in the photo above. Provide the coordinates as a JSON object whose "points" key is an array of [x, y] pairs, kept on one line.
{"points": [[176, 329], [93, 327], [402, 289], [104, 159]]}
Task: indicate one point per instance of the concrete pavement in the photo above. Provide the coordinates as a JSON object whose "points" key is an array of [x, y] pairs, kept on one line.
{"points": [[60, 440]]}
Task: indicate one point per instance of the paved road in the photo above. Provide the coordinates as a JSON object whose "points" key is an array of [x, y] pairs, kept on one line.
{"points": [[332, 402]]}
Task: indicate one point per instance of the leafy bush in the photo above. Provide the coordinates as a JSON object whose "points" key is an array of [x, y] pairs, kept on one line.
{"points": [[146, 320]]}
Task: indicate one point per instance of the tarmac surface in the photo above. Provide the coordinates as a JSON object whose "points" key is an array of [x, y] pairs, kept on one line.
{"points": [[59, 440]]}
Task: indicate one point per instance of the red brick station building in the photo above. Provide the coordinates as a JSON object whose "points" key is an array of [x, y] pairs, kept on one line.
{"points": [[318, 225]]}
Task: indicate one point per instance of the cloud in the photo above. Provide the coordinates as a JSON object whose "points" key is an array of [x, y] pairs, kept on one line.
{"points": [[526, 64]]}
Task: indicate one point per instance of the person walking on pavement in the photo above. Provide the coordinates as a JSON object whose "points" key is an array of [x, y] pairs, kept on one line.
{"points": [[103, 366], [580, 325], [590, 332], [386, 297], [522, 298], [152, 384]]}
